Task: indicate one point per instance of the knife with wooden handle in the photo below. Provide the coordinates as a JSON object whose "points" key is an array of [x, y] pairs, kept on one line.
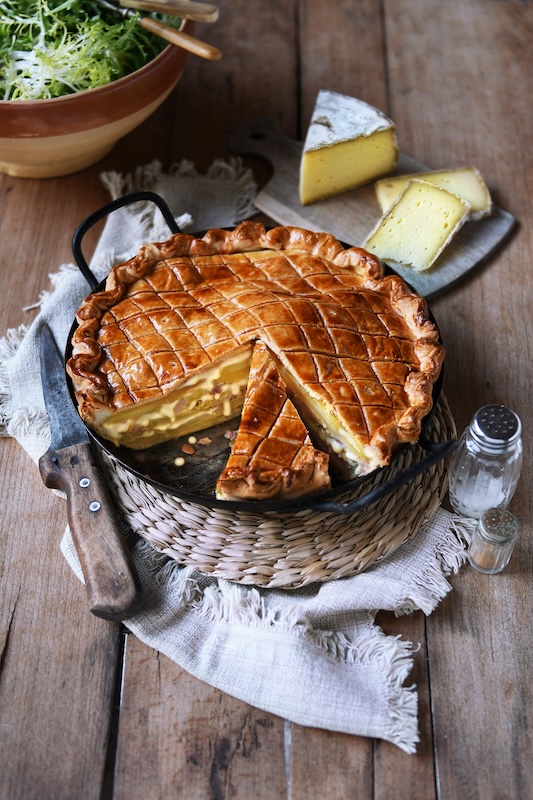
{"points": [[70, 464]]}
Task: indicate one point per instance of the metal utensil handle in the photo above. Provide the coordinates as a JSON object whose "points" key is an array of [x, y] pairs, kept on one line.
{"points": [[437, 451], [96, 216]]}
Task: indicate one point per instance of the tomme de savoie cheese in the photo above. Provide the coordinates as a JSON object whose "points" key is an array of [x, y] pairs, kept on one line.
{"points": [[466, 182], [349, 143], [418, 226]]}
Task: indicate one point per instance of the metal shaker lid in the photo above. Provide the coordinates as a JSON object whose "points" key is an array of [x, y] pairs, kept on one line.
{"points": [[498, 525], [497, 423]]}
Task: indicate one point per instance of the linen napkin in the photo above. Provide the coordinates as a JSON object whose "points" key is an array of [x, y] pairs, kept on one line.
{"points": [[313, 656]]}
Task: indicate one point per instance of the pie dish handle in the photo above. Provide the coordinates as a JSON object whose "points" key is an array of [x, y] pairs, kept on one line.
{"points": [[96, 216], [436, 452]]}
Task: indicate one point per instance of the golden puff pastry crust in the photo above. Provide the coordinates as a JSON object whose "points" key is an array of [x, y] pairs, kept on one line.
{"points": [[356, 348], [272, 454]]}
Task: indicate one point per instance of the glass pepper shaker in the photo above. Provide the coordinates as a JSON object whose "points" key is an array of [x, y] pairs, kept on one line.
{"points": [[493, 541], [486, 465]]}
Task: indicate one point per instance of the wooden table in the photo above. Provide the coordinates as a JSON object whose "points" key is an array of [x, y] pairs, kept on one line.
{"points": [[456, 77]]}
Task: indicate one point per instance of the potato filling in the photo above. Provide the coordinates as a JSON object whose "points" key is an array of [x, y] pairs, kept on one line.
{"points": [[205, 399]]}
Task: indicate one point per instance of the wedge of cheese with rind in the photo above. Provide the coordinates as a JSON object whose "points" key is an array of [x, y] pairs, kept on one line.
{"points": [[419, 225], [349, 143], [467, 182]]}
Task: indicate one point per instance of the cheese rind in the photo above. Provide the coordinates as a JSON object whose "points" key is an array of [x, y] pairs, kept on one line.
{"points": [[418, 226], [349, 143], [467, 182]]}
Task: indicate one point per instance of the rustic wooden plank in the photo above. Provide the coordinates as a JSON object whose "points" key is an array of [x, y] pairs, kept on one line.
{"points": [[57, 661], [53, 650], [257, 74], [342, 46], [459, 79], [36, 226], [182, 738], [458, 83], [347, 57], [333, 765], [416, 770], [343, 50]]}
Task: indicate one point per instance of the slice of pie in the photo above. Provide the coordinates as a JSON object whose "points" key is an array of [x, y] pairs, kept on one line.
{"points": [[272, 454], [165, 349]]}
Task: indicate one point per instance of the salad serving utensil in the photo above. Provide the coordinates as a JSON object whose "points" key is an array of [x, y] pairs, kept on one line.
{"points": [[187, 9], [169, 34]]}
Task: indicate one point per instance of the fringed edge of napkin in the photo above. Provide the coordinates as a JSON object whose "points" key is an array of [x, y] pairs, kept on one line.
{"points": [[23, 422], [149, 176], [245, 606], [9, 345], [390, 655], [432, 585]]}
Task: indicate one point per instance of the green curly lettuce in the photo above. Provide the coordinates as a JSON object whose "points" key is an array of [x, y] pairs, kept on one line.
{"points": [[50, 48]]}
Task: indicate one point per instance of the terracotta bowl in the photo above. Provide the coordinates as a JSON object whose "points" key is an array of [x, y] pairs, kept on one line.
{"points": [[47, 138]]}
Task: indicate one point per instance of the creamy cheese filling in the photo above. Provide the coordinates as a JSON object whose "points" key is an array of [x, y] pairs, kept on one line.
{"points": [[208, 398], [326, 426], [215, 395]]}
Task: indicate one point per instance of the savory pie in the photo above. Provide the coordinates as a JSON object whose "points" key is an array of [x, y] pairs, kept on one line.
{"points": [[165, 348], [272, 454]]}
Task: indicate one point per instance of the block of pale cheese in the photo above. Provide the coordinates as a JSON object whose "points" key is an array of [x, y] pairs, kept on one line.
{"points": [[466, 182], [418, 226], [349, 143]]}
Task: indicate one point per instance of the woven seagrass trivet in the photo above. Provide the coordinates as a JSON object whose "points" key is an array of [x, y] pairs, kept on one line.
{"points": [[287, 550]]}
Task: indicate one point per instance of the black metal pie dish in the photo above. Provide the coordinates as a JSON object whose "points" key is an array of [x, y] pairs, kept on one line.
{"points": [[194, 480]]}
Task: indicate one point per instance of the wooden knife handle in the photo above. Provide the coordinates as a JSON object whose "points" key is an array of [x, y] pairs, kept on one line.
{"points": [[112, 585], [180, 39]]}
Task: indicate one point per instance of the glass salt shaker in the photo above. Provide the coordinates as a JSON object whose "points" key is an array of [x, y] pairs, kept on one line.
{"points": [[493, 541], [486, 465]]}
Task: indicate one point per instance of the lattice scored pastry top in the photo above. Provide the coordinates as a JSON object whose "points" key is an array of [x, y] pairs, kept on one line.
{"points": [[272, 454], [165, 348]]}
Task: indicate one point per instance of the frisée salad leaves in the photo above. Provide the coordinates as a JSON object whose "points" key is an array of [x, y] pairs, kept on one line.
{"points": [[50, 48]]}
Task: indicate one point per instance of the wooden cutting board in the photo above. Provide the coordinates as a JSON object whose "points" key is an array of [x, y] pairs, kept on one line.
{"points": [[352, 215]]}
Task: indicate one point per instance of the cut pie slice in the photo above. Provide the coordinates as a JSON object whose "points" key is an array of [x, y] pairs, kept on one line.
{"points": [[272, 454], [164, 350]]}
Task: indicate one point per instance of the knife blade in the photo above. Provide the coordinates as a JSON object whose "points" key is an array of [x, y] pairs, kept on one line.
{"points": [[112, 586]]}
